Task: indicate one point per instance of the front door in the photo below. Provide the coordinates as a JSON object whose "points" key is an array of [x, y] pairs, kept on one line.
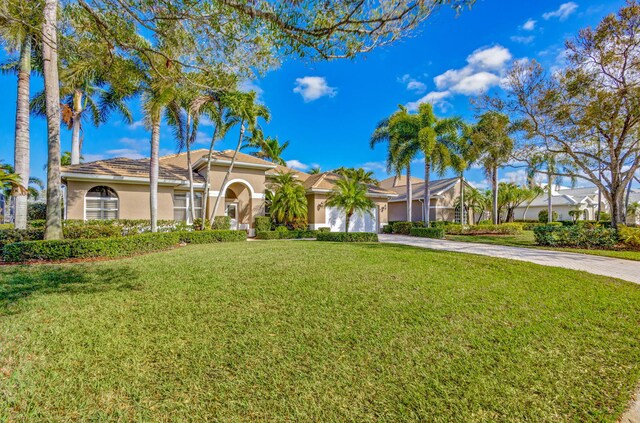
{"points": [[232, 212]]}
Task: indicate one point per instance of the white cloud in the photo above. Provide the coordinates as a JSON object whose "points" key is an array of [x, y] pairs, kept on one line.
{"points": [[136, 143], [476, 84], [248, 85], [437, 98], [562, 13], [481, 185], [492, 58], [529, 25], [312, 88], [522, 40], [125, 152], [297, 164], [416, 86], [375, 167], [93, 157], [137, 124]]}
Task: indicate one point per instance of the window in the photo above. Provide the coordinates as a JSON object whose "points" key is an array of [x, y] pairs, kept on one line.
{"points": [[466, 215], [181, 206], [101, 203]]}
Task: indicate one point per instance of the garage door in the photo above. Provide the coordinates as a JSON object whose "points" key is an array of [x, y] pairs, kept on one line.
{"points": [[360, 222]]}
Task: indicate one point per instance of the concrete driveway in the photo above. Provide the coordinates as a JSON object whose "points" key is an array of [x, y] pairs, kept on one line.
{"points": [[627, 270]]}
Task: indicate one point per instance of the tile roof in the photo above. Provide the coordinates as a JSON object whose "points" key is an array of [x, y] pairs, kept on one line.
{"points": [[437, 186], [398, 181], [302, 176]]}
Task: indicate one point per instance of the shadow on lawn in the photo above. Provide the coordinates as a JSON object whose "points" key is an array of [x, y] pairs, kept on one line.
{"points": [[23, 281]]}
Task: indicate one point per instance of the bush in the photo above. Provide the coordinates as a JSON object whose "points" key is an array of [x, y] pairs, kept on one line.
{"points": [[428, 232], [485, 222], [9, 236], [4, 226], [577, 236], [348, 236], [222, 223], [529, 226], [504, 229], [112, 247], [38, 223], [403, 228], [262, 223], [200, 225], [630, 237], [36, 211], [91, 231], [282, 234], [543, 216], [387, 229], [605, 217]]}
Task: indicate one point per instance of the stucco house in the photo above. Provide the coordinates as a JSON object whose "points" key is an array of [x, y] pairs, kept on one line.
{"points": [[119, 189], [444, 195], [563, 200]]}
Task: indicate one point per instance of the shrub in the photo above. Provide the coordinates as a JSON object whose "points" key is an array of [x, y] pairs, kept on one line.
{"points": [[280, 234], [577, 236], [543, 216], [348, 236], [38, 223], [262, 223], [387, 229], [36, 211], [324, 229], [504, 229], [428, 232], [4, 226], [630, 237], [222, 223], [485, 222], [112, 247], [200, 225], [403, 228], [529, 226], [605, 217], [9, 236], [91, 231]]}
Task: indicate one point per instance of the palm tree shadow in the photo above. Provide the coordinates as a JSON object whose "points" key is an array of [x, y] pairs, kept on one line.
{"points": [[21, 282]]}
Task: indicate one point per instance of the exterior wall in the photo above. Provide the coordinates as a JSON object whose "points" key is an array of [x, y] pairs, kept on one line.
{"points": [[133, 200], [317, 215], [563, 212]]}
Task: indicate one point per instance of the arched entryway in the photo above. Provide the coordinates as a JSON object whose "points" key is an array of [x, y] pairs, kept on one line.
{"points": [[238, 204]]}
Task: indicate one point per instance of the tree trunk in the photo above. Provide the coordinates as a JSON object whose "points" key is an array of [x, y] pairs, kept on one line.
{"points": [[347, 221], [207, 182], [53, 227], [409, 194], [21, 146], [427, 192], [75, 130], [192, 198], [226, 176], [549, 199], [494, 185], [626, 200], [463, 221], [154, 169], [616, 206]]}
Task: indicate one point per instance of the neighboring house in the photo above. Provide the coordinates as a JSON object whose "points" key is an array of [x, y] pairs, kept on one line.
{"points": [[119, 189], [444, 195], [563, 200]]}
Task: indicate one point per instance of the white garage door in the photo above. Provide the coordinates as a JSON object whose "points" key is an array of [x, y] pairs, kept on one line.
{"points": [[360, 222]]}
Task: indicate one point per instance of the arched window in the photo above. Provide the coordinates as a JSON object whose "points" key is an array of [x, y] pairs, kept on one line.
{"points": [[101, 203]]}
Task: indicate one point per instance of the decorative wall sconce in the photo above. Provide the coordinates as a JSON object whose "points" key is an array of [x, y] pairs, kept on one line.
{"points": [[320, 206]]}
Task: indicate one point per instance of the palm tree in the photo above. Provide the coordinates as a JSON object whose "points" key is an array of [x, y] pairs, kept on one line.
{"points": [[435, 138], [548, 164], [478, 201], [10, 183], [315, 170], [493, 146], [19, 36], [633, 209], [268, 149], [350, 196], [244, 107], [288, 200], [382, 134], [359, 174]]}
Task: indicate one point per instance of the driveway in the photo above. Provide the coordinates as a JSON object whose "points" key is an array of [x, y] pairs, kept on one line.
{"points": [[627, 270]]}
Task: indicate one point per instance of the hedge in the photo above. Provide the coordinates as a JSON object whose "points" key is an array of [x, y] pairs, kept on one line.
{"points": [[578, 236], [503, 229], [630, 237], [262, 223], [347, 236], [403, 228], [111, 247], [286, 234], [529, 226], [428, 232], [222, 223]]}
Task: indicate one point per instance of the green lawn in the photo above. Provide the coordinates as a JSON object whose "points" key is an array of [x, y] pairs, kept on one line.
{"points": [[526, 239], [311, 331]]}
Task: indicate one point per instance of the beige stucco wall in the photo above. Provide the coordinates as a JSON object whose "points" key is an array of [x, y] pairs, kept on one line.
{"points": [[133, 200]]}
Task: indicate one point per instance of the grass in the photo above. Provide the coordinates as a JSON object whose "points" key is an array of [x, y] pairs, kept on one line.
{"points": [[332, 332], [526, 239]]}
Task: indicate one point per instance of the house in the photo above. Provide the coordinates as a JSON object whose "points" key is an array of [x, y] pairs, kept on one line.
{"points": [[119, 189], [563, 200], [443, 199]]}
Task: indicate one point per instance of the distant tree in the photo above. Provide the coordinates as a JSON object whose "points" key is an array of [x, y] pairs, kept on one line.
{"points": [[268, 149], [350, 196], [511, 196], [587, 112], [315, 170], [288, 199], [358, 174]]}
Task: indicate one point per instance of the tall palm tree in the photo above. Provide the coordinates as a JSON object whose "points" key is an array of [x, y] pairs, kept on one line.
{"points": [[245, 108], [315, 170], [19, 36], [548, 164], [382, 134], [350, 196], [493, 145], [268, 149], [423, 133], [289, 198]]}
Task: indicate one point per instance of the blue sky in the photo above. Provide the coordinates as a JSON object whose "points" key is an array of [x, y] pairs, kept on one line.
{"points": [[328, 110]]}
